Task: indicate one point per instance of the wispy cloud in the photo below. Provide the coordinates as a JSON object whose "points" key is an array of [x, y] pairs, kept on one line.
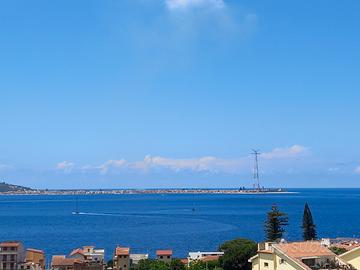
{"points": [[201, 164], [357, 170], [207, 164], [287, 152], [65, 166], [186, 4]]}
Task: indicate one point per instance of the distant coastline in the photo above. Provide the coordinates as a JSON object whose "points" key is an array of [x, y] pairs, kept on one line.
{"points": [[145, 191]]}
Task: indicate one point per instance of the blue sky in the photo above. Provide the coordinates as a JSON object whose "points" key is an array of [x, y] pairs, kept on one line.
{"points": [[176, 93]]}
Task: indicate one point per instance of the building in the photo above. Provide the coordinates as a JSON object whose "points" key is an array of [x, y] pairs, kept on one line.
{"points": [[136, 258], [35, 260], [89, 253], [94, 254], [309, 255], [352, 257], [60, 262], [164, 255], [12, 255], [85, 258], [121, 258], [204, 256]]}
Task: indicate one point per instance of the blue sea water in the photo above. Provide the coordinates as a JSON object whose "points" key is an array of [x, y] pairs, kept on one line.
{"points": [[149, 222]]}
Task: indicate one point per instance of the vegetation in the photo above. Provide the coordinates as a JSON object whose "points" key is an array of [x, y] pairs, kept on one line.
{"points": [[110, 264], [274, 225], [200, 265], [308, 226], [338, 250], [5, 187], [159, 265], [237, 253]]}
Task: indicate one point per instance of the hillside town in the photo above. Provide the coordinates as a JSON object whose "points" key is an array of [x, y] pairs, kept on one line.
{"points": [[14, 256], [338, 253]]}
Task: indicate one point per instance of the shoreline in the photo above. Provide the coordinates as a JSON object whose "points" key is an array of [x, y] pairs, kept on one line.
{"points": [[148, 191]]}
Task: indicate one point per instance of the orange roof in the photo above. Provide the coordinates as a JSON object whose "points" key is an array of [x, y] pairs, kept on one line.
{"points": [[35, 250], [347, 246], [122, 251], [165, 252], [77, 251], [210, 258], [305, 249], [60, 260], [184, 261], [10, 244]]}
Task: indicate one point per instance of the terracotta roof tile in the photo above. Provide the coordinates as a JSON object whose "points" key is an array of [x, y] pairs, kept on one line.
{"points": [[60, 260], [305, 249], [10, 244], [77, 251], [122, 251], [166, 252], [210, 258]]}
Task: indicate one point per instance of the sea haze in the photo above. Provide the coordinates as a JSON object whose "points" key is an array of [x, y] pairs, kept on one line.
{"points": [[149, 222]]}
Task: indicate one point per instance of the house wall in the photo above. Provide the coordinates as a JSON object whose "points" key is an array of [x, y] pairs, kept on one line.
{"points": [[352, 258], [255, 264]]}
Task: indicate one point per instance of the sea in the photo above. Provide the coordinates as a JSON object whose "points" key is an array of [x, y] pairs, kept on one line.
{"points": [[181, 222]]}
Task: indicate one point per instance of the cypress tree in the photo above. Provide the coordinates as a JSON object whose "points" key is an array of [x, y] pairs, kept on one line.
{"points": [[274, 225], [308, 226]]}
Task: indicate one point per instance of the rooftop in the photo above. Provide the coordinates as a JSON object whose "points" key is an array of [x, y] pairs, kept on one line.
{"points": [[122, 251], [308, 249], [164, 252], [10, 244], [60, 260], [35, 250]]}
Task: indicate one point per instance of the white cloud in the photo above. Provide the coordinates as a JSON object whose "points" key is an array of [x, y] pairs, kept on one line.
{"points": [[106, 166], [357, 170], [207, 164], [201, 164], [185, 4], [65, 166], [287, 152], [116, 164]]}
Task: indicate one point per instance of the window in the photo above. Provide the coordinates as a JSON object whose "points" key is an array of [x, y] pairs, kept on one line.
{"points": [[12, 257], [124, 265], [266, 264], [4, 258], [161, 257], [282, 261], [168, 257]]}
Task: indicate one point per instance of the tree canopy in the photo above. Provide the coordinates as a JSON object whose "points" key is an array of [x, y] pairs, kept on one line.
{"points": [[274, 225], [308, 226], [237, 252]]}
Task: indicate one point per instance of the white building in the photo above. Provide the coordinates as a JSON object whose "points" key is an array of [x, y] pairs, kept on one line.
{"points": [[200, 255], [136, 258]]}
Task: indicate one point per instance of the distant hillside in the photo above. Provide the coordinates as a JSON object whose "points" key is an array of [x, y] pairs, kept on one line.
{"points": [[4, 187]]}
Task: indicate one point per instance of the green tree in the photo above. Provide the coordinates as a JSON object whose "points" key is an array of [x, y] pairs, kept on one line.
{"points": [[274, 225], [338, 250], [177, 264], [201, 265], [152, 265], [110, 264], [308, 226], [237, 252]]}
